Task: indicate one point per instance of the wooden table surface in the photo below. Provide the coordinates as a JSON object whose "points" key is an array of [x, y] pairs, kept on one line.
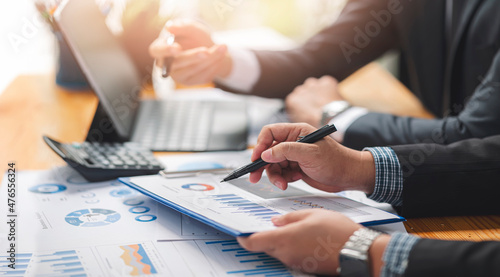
{"points": [[32, 106]]}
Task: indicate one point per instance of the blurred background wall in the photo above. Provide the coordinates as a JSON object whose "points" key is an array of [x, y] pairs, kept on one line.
{"points": [[28, 46]]}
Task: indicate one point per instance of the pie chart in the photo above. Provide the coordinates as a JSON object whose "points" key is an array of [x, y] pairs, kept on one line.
{"points": [[197, 187], [48, 188], [92, 217]]}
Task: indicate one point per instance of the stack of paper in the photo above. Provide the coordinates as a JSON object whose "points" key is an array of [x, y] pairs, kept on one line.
{"points": [[69, 227]]}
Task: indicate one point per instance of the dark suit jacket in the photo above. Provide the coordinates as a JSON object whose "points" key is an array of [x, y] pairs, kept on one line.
{"points": [[462, 178], [454, 258], [444, 77]]}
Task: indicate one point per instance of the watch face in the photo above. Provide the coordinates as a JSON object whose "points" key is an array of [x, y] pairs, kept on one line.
{"points": [[350, 267], [332, 109]]}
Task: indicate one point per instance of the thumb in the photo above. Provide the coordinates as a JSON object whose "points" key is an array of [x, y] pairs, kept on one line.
{"points": [[290, 217], [291, 151]]}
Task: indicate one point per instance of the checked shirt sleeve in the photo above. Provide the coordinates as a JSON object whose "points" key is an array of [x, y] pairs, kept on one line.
{"points": [[388, 176]]}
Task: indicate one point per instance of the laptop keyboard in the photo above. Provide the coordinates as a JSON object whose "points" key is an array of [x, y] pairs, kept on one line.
{"points": [[178, 125]]}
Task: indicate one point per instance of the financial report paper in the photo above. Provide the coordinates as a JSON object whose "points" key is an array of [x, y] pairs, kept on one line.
{"points": [[239, 207]]}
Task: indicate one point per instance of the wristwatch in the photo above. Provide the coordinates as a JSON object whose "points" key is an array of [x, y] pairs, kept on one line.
{"points": [[353, 260], [333, 109]]}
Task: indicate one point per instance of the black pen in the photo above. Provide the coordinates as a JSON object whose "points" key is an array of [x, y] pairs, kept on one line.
{"points": [[311, 138]]}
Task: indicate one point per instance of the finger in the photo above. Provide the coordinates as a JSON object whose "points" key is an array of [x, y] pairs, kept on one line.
{"points": [[206, 71], [281, 178], [256, 175], [261, 241], [275, 175], [315, 184], [328, 80], [291, 151], [194, 59], [295, 167], [160, 49], [291, 217], [290, 175], [278, 133], [310, 81], [264, 141], [190, 57], [202, 75], [282, 132]]}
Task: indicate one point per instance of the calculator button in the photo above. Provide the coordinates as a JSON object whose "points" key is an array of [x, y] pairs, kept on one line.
{"points": [[117, 162], [130, 162]]}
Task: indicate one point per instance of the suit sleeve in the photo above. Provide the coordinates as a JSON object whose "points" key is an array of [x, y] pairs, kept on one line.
{"points": [[363, 31], [454, 258], [480, 118], [458, 179]]}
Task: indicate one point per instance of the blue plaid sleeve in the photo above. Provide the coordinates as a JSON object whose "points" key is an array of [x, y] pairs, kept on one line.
{"points": [[388, 176], [396, 255]]}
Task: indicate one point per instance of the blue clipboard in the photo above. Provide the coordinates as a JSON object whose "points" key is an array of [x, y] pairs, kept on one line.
{"points": [[214, 223]]}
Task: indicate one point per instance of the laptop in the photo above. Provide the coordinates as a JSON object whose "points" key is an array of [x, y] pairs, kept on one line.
{"points": [[168, 125]]}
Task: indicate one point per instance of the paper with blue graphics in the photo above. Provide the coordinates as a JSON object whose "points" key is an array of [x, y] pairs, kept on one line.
{"points": [[187, 258], [239, 207], [59, 209]]}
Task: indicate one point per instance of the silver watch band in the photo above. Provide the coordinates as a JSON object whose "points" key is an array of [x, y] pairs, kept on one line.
{"points": [[357, 247], [333, 109]]}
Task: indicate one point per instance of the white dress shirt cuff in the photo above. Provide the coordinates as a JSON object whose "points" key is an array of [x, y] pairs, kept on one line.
{"points": [[245, 71], [344, 120]]}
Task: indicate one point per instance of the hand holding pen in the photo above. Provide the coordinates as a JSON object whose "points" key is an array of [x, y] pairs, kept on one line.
{"points": [[289, 148], [169, 39], [324, 164], [164, 49], [198, 60]]}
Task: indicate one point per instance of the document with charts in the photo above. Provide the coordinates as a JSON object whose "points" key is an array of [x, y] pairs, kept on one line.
{"points": [[59, 209], [187, 258], [239, 207]]}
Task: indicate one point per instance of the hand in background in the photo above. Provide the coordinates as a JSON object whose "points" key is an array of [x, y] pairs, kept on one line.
{"points": [[308, 240], [306, 101], [197, 60], [325, 164]]}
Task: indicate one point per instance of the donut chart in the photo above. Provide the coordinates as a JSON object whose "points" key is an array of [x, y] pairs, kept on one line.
{"points": [[121, 192], [133, 202], [92, 217], [146, 218], [197, 187], [139, 209], [48, 188]]}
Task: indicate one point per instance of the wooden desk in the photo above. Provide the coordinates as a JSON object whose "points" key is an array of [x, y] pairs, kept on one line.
{"points": [[33, 106]]}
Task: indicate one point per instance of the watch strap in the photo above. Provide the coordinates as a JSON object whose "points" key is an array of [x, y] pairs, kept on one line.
{"points": [[354, 255], [332, 109]]}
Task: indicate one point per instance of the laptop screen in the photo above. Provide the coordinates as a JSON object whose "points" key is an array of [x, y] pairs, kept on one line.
{"points": [[106, 65]]}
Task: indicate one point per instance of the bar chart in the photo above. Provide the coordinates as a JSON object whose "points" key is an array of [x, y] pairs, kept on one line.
{"points": [[246, 263], [57, 263], [240, 205]]}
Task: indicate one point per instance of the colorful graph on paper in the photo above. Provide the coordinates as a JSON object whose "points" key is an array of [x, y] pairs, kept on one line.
{"points": [[136, 257], [54, 263], [249, 263], [240, 205]]}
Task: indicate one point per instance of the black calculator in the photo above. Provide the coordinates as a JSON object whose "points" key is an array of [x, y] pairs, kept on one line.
{"points": [[101, 161]]}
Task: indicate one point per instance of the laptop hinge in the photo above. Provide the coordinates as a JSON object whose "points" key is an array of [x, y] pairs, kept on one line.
{"points": [[102, 129]]}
